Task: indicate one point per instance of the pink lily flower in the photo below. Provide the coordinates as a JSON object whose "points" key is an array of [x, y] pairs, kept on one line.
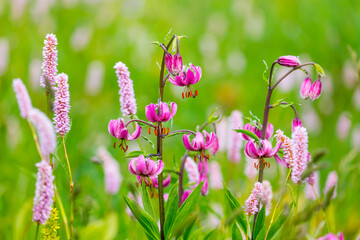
{"points": [[310, 90], [257, 131], [264, 150], [145, 167], [215, 147], [173, 63], [186, 79], [154, 114], [289, 61], [332, 236], [199, 143], [155, 182], [118, 130]]}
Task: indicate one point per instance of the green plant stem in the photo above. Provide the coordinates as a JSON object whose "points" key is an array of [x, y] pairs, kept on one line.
{"points": [[322, 210], [35, 139], [71, 184], [37, 230], [62, 211]]}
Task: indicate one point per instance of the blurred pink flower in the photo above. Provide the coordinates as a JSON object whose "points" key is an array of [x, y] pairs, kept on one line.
{"points": [[331, 181], [22, 97], [50, 61], [289, 61], [111, 167], [94, 77], [250, 169], [215, 146], [234, 143], [311, 185], [267, 196], [192, 170], [163, 114], [44, 193], [343, 126], [145, 167], [300, 153], [332, 236], [137, 199], [154, 181], [62, 105], [356, 99], [221, 133], [216, 177], [251, 204], [127, 95], [186, 194], [203, 170], [355, 141], [4, 55], [45, 131]]}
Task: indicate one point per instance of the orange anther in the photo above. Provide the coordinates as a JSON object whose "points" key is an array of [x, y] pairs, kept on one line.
{"points": [[149, 131], [186, 94], [155, 131], [168, 130], [196, 93], [183, 95]]}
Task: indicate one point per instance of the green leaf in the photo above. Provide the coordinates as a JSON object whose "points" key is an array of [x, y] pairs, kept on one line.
{"points": [[291, 192], [188, 206], [213, 234], [261, 235], [275, 227], [184, 227], [147, 201], [188, 229], [171, 208], [319, 70], [236, 234], [145, 220], [286, 105], [248, 133], [155, 43], [259, 224], [149, 141], [234, 204], [134, 154], [264, 73], [213, 118]]}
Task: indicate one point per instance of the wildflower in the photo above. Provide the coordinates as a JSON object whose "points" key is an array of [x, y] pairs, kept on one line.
{"points": [[332, 236], [50, 58], [187, 78], [295, 123], [173, 63], [305, 88], [154, 113], [62, 105], [186, 195], [118, 130], [155, 183], [234, 143], [343, 125], [315, 90], [94, 77], [199, 144], [300, 153], [250, 169], [263, 150], [215, 175], [289, 61], [192, 170], [267, 196], [203, 170], [251, 204], [215, 147], [331, 181], [127, 95], [111, 167], [197, 174], [45, 131], [44, 193], [287, 146], [22, 97], [145, 167], [257, 131], [312, 185], [222, 134]]}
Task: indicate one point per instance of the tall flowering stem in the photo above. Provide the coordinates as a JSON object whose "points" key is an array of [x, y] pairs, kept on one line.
{"points": [[267, 108], [160, 144]]}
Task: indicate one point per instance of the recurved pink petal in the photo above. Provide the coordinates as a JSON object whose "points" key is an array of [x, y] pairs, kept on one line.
{"points": [[150, 113], [186, 141], [276, 149], [159, 169], [250, 150], [132, 166], [135, 134], [173, 111]]}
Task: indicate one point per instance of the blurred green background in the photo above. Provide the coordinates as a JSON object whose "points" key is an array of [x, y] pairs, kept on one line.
{"points": [[228, 39]]}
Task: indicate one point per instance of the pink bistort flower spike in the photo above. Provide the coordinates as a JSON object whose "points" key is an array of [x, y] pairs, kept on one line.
{"points": [[287, 146], [215, 175], [163, 114], [315, 90], [192, 170], [44, 193], [305, 88], [145, 167], [267, 196], [199, 143], [45, 131], [300, 153], [127, 95], [312, 184], [50, 61], [251, 204], [187, 78], [118, 130], [62, 105], [289, 61], [263, 150], [22, 97], [332, 236], [173, 63], [331, 181], [111, 167], [234, 143], [203, 170], [154, 181]]}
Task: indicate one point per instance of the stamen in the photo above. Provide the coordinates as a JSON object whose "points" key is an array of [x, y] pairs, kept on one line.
{"points": [[196, 92], [183, 95], [155, 131], [168, 130], [115, 144], [186, 94], [149, 131], [190, 95]]}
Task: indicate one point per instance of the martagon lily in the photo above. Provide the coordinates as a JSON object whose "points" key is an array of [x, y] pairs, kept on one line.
{"points": [[118, 130]]}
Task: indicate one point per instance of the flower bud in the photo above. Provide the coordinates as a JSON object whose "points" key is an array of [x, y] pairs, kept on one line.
{"points": [[173, 63], [305, 88], [289, 61], [295, 123], [315, 90]]}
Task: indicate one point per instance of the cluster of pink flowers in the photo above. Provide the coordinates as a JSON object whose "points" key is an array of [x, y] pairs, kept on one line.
{"points": [[234, 139], [62, 105], [44, 193], [22, 97], [145, 168], [50, 58], [127, 95], [197, 174], [251, 204], [310, 90], [331, 236], [267, 196]]}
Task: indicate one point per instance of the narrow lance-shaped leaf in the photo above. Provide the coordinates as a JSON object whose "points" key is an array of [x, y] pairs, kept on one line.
{"points": [[147, 201], [260, 221], [248, 133], [171, 209]]}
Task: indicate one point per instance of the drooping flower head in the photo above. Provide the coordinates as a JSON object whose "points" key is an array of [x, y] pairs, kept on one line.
{"points": [[288, 61], [190, 76], [257, 131], [173, 63], [199, 144], [62, 105], [118, 130], [261, 150], [251, 204], [300, 153], [22, 97], [145, 167], [296, 123], [50, 61], [234, 143], [310, 90], [45, 131], [160, 112], [111, 167], [331, 181], [127, 95], [267, 196], [305, 88], [44, 193]]}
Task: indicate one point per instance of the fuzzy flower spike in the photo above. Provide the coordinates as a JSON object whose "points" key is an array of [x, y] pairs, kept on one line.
{"points": [[145, 168], [50, 61], [22, 97], [118, 129], [300, 153], [251, 204], [127, 95], [62, 105], [190, 76], [44, 193]]}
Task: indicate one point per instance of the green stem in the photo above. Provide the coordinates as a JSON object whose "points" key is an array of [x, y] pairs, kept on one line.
{"points": [[322, 210], [35, 139], [37, 231], [62, 211]]}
